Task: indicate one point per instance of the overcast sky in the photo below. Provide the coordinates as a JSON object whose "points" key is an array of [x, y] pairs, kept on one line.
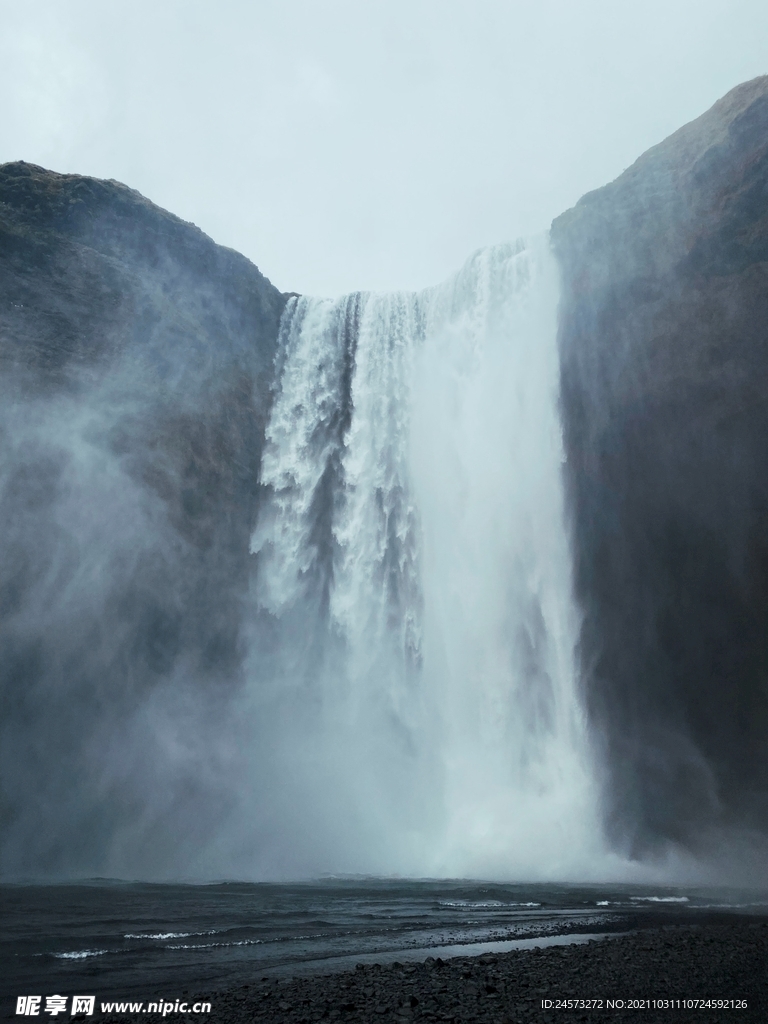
{"points": [[344, 144]]}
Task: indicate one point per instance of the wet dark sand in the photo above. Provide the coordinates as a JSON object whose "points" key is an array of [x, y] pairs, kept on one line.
{"points": [[717, 959]]}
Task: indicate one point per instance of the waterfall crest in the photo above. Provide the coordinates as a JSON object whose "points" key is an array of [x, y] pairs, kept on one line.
{"points": [[412, 648]]}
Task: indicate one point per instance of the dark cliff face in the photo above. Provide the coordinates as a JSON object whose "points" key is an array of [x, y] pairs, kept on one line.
{"points": [[664, 356], [136, 359]]}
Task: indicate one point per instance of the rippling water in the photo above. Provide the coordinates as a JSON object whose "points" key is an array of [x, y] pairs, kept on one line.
{"points": [[107, 937]]}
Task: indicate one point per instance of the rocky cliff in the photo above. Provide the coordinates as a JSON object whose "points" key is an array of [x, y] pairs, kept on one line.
{"points": [[664, 356], [135, 366]]}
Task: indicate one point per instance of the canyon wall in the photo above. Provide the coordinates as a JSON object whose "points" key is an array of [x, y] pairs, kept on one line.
{"points": [[664, 373], [136, 358]]}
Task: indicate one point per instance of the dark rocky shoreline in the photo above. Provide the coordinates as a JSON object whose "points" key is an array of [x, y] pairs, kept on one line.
{"points": [[725, 959]]}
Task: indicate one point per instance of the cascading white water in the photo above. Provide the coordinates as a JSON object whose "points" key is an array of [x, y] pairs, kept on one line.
{"points": [[413, 659]]}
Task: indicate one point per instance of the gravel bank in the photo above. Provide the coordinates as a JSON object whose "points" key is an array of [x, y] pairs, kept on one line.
{"points": [[726, 961]]}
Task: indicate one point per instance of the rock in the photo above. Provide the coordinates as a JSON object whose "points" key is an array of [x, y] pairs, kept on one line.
{"points": [[664, 370], [135, 368], [718, 961]]}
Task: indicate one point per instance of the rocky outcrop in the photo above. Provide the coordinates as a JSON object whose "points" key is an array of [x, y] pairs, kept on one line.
{"points": [[136, 359], [664, 350]]}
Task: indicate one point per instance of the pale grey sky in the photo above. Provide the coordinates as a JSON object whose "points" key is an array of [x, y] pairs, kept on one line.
{"points": [[368, 144]]}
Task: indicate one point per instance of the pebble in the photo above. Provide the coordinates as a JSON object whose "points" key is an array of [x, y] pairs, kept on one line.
{"points": [[674, 963]]}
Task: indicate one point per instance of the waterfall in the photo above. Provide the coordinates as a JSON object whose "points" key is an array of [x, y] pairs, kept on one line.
{"points": [[413, 628]]}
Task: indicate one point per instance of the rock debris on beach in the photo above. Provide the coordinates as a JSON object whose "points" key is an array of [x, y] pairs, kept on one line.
{"points": [[726, 962]]}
